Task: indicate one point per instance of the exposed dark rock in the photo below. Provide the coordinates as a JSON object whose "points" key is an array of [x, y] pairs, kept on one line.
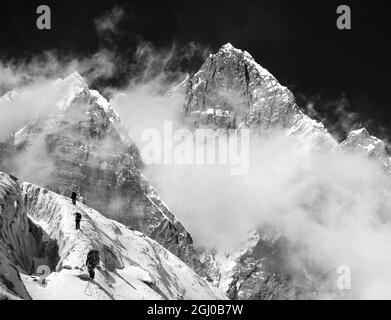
{"points": [[89, 151]]}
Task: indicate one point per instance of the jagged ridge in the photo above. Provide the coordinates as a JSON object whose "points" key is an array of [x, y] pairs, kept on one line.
{"points": [[133, 266], [85, 148]]}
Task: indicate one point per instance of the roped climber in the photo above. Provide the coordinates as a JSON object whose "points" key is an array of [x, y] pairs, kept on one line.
{"points": [[92, 262], [77, 220]]}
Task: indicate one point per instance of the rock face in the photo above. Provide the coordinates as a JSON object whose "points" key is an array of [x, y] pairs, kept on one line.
{"points": [[85, 148], [360, 141], [14, 223], [231, 90], [15, 248], [82, 146], [259, 270], [133, 266], [38, 233]]}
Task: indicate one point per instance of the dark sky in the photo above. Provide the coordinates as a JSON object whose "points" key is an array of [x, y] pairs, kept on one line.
{"points": [[295, 40]]}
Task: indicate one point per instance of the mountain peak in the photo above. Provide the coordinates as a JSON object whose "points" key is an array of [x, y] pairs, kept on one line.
{"points": [[74, 80], [228, 47], [362, 137], [361, 141], [72, 86], [232, 81], [75, 75], [232, 90], [359, 132]]}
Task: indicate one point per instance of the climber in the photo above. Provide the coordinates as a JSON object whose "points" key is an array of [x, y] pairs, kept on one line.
{"points": [[73, 197], [92, 262], [78, 218]]}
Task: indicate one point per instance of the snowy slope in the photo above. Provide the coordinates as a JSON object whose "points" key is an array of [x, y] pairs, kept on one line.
{"points": [[133, 266], [91, 152], [81, 145]]}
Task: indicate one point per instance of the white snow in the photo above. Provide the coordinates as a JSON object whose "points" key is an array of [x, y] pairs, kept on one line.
{"points": [[358, 132], [360, 140], [101, 100], [9, 96], [144, 270], [72, 86]]}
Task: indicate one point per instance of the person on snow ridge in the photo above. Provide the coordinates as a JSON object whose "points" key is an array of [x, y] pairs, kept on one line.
{"points": [[78, 218], [92, 262], [73, 197]]}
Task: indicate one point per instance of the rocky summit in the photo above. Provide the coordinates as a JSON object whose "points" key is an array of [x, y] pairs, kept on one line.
{"points": [[231, 90]]}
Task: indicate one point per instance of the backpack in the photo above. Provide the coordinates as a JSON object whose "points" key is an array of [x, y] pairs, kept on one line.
{"points": [[78, 216], [93, 258]]}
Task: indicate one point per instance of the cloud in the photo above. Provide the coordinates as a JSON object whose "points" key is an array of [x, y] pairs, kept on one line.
{"points": [[35, 94], [335, 113], [166, 63], [144, 102], [107, 25], [28, 104], [50, 65], [335, 206]]}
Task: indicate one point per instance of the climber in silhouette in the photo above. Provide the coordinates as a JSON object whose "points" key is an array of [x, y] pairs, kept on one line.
{"points": [[73, 197], [78, 218], [92, 262]]}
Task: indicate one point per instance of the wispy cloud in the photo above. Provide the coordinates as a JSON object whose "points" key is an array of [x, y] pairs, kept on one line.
{"points": [[107, 25]]}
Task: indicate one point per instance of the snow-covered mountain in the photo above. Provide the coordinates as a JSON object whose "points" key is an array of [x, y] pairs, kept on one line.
{"points": [[232, 90], [258, 270], [38, 228], [81, 145], [16, 249], [360, 141]]}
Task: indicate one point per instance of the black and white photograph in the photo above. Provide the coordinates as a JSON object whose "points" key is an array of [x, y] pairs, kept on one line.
{"points": [[217, 151]]}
